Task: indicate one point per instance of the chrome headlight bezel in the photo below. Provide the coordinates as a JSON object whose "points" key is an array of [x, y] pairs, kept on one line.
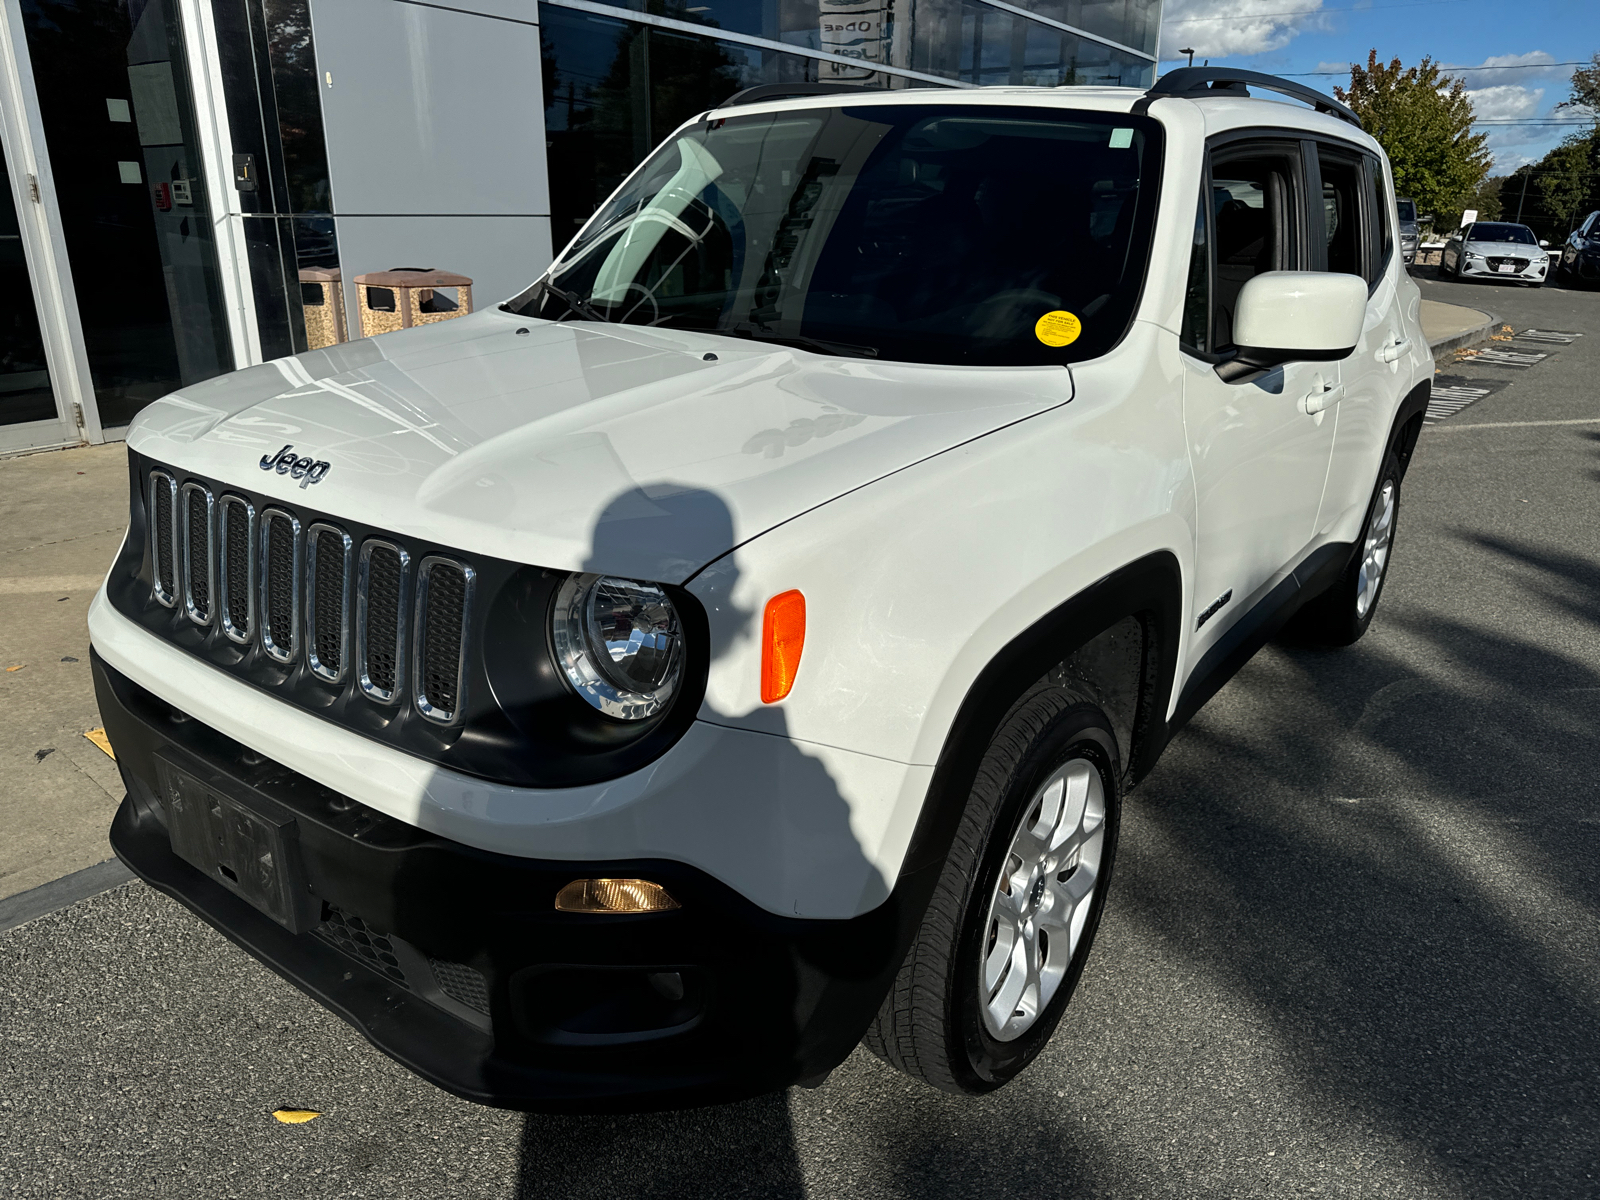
{"points": [[581, 651]]}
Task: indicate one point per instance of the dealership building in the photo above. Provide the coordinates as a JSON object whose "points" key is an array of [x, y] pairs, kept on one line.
{"points": [[194, 186]]}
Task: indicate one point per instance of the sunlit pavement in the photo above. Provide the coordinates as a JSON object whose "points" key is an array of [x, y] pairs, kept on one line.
{"points": [[1353, 946]]}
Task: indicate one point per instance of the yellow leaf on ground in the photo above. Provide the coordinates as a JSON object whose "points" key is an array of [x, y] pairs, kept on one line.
{"points": [[296, 1116], [99, 738], [18, 667]]}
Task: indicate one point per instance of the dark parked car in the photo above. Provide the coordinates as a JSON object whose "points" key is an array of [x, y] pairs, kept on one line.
{"points": [[1410, 228], [1580, 257]]}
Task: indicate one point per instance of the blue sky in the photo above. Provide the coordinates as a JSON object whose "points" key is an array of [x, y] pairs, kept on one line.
{"points": [[1522, 44]]}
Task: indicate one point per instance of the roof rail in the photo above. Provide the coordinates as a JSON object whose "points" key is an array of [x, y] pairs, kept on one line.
{"points": [[785, 91], [1194, 81]]}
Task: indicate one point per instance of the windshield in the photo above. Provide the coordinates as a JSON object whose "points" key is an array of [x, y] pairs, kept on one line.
{"points": [[1408, 212], [1489, 231], [939, 234]]}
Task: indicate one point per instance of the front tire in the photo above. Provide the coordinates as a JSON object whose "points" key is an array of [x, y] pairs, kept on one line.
{"points": [[1014, 914], [1340, 615]]}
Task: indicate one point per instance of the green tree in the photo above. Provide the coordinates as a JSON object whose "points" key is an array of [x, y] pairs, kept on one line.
{"points": [[1564, 177], [1585, 89], [1423, 120]]}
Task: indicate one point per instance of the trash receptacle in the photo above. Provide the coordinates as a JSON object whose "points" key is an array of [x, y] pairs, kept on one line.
{"points": [[322, 298], [405, 296]]}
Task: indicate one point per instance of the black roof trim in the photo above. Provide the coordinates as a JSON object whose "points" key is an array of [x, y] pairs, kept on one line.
{"points": [[1192, 82], [787, 91]]}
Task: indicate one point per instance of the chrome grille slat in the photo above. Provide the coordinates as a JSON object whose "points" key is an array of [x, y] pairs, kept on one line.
{"points": [[329, 553], [163, 510], [444, 601], [280, 573], [382, 581], [236, 568], [199, 552]]}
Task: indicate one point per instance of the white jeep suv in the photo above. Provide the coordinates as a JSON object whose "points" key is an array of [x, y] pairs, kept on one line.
{"points": [[739, 645]]}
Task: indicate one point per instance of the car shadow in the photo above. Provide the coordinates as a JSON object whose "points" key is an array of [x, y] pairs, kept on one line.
{"points": [[745, 1148]]}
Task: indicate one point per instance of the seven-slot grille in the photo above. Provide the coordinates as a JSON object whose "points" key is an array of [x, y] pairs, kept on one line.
{"points": [[313, 593]]}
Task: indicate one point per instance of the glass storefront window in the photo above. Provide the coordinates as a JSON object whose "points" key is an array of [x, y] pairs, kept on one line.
{"points": [[614, 89], [119, 127], [25, 393]]}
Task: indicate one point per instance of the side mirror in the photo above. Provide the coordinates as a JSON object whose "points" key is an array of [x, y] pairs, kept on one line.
{"points": [[1425, 219], [1294, 316], [1543, 244]]}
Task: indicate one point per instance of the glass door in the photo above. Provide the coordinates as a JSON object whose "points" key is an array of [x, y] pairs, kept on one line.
{"points": [[25, 392]]}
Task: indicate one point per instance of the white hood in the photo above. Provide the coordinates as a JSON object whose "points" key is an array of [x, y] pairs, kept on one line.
{"points": [[580, 446]]}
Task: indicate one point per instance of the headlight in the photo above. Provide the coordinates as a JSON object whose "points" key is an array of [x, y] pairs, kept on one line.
{"points": [[620, 643], [1470, 254]]}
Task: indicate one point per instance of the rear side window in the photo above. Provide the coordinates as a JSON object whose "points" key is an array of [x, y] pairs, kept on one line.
{"points": [[1382, 233]]}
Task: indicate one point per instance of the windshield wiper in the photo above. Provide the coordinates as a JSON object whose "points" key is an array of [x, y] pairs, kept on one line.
{"points": [[819, 345], [574, 303]]}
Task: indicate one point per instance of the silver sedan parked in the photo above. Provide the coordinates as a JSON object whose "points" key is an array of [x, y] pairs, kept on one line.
{"points": [[1496, 250]]}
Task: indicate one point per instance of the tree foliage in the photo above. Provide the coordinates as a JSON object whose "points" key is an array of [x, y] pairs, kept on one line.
{"points": [[1585, 88], [1565, 176], [1423, 120]]}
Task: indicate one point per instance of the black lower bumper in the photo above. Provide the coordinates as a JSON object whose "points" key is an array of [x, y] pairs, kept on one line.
{"points": [[453, 960]]}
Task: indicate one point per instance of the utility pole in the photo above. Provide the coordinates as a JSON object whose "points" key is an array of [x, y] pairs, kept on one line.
{"points": [[1524, 196], [1190, 52]]}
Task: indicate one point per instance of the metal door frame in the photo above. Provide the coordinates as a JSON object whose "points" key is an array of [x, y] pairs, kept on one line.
{"points": [[45, 251]]}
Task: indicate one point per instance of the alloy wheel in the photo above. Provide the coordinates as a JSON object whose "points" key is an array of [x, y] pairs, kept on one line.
{"points": [[1042, 899], [1375, 551]]}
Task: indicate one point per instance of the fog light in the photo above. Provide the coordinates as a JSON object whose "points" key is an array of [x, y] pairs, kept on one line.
{"points": [[614, 896]]}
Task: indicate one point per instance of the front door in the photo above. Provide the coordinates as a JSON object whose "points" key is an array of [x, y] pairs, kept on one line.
{"points": [[29, 413], [1260, 460]]}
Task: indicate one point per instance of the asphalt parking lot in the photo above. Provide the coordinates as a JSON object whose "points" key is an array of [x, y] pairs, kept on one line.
{"points": [[1352, 948]]}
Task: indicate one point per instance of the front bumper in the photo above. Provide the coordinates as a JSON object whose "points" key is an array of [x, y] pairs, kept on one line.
{"points": [[453, 960], [1534, 273]]}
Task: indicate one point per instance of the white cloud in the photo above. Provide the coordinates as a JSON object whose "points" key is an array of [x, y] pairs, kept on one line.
{"points": [[1517, 69], [1505, 102], [1222, 28]]}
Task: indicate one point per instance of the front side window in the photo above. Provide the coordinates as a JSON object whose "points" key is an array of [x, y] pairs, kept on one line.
{"points": [[1255, 222], [1408, 209], [940, 234], [1197, 291], [1341, 214]]}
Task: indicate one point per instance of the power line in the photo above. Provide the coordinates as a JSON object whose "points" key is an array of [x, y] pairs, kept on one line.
{"points": [[1443, 70], [1307, 12]]}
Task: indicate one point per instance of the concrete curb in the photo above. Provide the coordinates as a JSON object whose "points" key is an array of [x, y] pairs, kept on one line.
{"points": [[1467, 337], [62, 893]]}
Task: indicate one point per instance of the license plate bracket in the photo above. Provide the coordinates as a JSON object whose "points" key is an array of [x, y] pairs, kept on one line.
{"points": [[243, 840]]}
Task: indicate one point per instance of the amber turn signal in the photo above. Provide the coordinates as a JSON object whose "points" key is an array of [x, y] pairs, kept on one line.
{"points": [[783, 637], [614, 896]]}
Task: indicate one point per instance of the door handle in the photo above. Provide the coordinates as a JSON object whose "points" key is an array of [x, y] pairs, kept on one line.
{"points": [[1321, 398], [1394, 350]]}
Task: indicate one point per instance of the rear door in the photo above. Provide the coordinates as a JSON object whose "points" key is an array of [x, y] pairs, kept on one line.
{"points": [[1359, 233], [1259, 459]]}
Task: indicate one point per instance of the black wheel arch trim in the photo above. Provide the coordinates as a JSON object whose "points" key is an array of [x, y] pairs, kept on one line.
{"points": [[1150, 589]]}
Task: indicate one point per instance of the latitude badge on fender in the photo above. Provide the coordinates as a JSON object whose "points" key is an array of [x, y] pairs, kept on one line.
{"points": [[303, 469]]}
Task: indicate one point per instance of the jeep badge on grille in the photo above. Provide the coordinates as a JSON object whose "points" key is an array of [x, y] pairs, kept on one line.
{"points": [[303, 469]]}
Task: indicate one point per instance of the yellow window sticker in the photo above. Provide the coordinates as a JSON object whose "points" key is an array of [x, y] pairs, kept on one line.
{"points": [[1057, 328]]}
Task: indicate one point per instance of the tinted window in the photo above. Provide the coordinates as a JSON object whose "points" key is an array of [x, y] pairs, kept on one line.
{"points": [[1493, 231], [1381, 232], [1254, 215], [1197, 292], [1341, 215], [1408, 208], [928, 234]]}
